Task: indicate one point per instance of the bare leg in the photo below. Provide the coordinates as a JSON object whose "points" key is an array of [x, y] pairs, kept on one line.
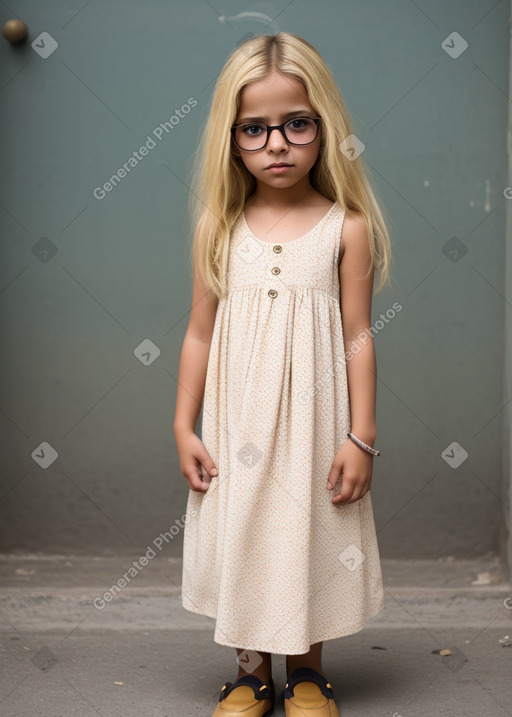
{"points": [[312, 659], [263, 670]]}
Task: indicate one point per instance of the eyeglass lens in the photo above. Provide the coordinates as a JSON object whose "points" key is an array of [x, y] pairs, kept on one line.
{"points": [[253, 135]]}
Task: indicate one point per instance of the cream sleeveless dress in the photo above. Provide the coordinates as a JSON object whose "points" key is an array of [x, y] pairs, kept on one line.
{"points": [[265, 551]]}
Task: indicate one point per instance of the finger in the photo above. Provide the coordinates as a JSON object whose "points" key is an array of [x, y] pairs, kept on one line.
{"points": [[346, 493], [205, 476], [333, 477], [195, 480], [353, 498], [339, 499], [207, 463]]}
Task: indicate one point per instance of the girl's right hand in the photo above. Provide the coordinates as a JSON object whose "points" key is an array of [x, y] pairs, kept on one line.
{"points": [[194, 459]]}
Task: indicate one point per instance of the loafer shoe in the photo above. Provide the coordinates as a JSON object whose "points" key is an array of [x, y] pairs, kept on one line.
{"points": [[248, 696], [307, 692]]}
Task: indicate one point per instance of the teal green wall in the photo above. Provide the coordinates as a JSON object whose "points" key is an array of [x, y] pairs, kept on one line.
{"points": [[85, 280]]}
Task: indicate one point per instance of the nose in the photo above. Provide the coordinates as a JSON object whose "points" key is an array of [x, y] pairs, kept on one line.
{"points": [[276, 139]]}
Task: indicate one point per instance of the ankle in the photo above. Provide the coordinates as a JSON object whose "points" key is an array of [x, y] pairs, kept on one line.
{"points": [[292, 667], [264, 675], [262, 663]]}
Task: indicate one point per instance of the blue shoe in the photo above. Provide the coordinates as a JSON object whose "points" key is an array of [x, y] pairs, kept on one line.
{"points": [[248, 696], [307, 692]]}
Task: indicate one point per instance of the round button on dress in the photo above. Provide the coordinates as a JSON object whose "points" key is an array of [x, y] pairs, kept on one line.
{"points": [[266, 553]]}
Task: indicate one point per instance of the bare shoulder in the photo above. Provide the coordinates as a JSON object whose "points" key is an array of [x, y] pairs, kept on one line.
{"points": [[354, 234], [204, 309], [356, 274]]}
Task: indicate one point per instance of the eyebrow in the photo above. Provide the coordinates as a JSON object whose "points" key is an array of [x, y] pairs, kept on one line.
{"points": [[302, 113]]}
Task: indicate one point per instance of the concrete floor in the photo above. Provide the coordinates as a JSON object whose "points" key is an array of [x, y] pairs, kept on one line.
{"points": [[143, 654]]}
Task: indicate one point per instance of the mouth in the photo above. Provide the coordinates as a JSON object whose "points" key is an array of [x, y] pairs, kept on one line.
{"points": [[281, 164]]}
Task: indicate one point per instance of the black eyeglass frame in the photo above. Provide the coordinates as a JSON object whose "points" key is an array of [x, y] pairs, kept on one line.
{"points": [[269, 128]]}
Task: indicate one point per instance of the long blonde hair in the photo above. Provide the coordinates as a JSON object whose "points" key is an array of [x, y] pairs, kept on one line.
{"points": [[220, 182]]}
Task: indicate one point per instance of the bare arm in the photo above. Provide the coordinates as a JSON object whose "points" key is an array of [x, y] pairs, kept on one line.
{"points": [[191, 383], [353, 465], [356, 300], [194, 357]]}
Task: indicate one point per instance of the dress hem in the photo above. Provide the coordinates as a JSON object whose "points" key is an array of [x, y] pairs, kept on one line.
{"points": [[349, 630]]}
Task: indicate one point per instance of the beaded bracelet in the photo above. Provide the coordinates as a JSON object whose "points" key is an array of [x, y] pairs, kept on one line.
{"points": [[363, 445]]}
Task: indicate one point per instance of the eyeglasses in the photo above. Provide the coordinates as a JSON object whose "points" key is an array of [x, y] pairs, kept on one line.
{"points": [[248, 136]]}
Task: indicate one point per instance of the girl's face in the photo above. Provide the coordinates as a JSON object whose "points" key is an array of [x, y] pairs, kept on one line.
{"points": [[272, 100]]}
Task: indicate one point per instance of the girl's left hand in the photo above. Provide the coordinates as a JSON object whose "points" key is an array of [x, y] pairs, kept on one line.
{"points": [[353, 466]]}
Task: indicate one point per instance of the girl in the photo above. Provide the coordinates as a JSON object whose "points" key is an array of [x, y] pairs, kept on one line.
{"points": [[280, 545]]}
